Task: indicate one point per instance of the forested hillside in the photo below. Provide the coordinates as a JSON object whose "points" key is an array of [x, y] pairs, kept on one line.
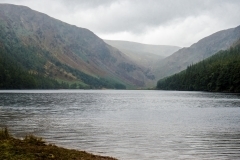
{"points": [[13, 76], [220, 73]]}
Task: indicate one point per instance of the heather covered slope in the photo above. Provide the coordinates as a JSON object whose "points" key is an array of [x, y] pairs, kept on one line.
{"points": [[43, 45]]}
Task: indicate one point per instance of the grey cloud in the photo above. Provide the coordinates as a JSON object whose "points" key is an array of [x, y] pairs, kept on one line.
{"points": [[86, 3], [141, 19], [137, 16]]}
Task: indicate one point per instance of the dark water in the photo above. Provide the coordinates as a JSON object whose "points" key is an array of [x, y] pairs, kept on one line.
{"points": [[129, 125]]}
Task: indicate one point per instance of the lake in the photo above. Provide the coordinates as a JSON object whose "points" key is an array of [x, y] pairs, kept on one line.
{"points": [[129, 125]]}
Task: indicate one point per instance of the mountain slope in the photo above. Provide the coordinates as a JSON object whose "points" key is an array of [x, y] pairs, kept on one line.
{"points": [[60, 50], [143, 54], [204, 48], [219, 72]]}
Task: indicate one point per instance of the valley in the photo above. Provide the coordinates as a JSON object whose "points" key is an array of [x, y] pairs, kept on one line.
{"points": [[146, 80], [66, 56]]}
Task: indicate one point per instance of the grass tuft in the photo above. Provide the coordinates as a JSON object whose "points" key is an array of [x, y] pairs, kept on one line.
{"points": [[31, 139], [4, 134]]}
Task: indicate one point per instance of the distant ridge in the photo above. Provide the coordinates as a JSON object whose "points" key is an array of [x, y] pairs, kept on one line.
{"points": [[160, 50], [143, 54], [201, 50]]}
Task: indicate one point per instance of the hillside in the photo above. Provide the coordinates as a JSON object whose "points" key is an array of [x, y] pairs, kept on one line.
{"points": [[144, 54], [46, 46], [14, 76], [203, 49], [218, 73]]}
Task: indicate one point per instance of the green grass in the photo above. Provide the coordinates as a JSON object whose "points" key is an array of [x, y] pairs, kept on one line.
{"points": [[35, 148]]}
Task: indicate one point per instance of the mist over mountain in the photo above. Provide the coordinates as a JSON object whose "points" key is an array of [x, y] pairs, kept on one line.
{"points": [[42, 45], [62, 51], [143, 54], [160, 50]]}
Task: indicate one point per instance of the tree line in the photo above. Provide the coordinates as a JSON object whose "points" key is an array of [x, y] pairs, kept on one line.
{"points": [[219, 73]]}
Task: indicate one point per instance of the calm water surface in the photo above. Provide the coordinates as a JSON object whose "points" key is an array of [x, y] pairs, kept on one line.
{"points": [[129, 125]]}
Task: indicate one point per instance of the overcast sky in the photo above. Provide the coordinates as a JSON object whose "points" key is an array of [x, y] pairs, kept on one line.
{"points": [[165, 22]]}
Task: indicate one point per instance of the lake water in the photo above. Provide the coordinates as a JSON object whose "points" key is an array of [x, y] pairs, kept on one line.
{"points": [[129, 125]]}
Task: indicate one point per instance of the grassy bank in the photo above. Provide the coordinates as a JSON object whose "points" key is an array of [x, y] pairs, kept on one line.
{"points": [[34, 148]]}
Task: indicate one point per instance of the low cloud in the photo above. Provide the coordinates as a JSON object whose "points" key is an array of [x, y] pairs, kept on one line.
{"points": [[168, 22]]}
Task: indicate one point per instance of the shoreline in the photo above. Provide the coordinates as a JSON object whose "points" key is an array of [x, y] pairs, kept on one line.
{"points": [[35, 148]]}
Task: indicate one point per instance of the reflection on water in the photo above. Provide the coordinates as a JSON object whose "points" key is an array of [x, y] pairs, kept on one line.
{"points": [[129, 124]]}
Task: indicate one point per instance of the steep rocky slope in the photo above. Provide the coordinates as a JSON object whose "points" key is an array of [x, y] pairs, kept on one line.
{"points": [[52, 44]]}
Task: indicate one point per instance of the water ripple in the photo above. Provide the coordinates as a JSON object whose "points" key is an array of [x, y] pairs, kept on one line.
{"points": [[129, 124]]}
